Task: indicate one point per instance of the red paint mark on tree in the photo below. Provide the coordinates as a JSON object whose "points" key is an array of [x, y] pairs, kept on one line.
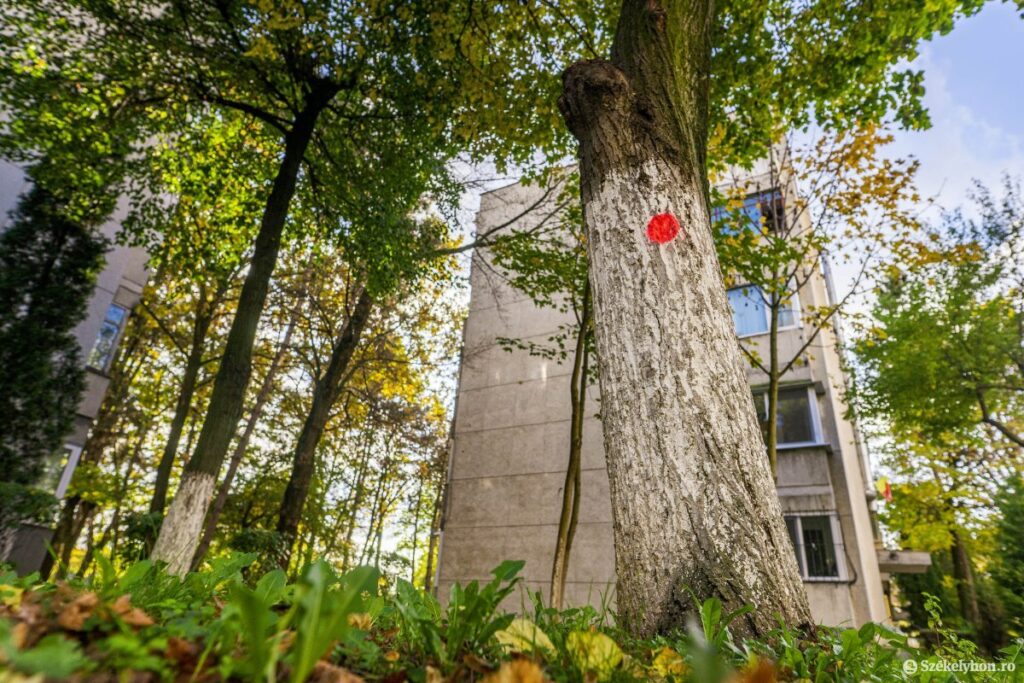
{"points": [[662, 228]]}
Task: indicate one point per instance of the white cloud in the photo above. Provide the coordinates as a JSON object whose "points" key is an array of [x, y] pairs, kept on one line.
{"points": [[961, 146]]}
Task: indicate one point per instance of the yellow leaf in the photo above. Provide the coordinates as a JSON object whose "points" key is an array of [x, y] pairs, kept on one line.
{"points": [[518, 671], [522, 635], [10, 595], [594, 651], [668, 664]]}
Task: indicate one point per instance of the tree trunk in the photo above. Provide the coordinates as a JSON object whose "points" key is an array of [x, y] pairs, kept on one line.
{"points": [[693, 501], [325, 393], [571, 488], [181, 528], [435, 523], [963, 576], [193, 364], [76, 511], [417, 508], [376, 511], [359, 490], [262, 396], [772, 435]]}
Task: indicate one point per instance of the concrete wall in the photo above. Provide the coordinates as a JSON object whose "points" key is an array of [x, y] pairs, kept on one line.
{"points": [[510, 450]]}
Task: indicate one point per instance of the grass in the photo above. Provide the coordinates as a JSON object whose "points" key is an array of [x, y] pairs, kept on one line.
{"points": [[220, 625]]}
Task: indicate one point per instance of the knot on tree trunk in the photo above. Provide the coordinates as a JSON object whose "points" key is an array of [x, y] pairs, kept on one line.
{"points": [[591, 90]]}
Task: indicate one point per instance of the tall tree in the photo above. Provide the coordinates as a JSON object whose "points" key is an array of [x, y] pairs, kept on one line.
{"points": [[1008, 569], [943, 355], [942, 502], [326, 391], [836, 200], [939, 374], [690, 484], [336, 86], [194, 218], [48, 266]]}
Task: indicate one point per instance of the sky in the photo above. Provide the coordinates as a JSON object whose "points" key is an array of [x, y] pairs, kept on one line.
{"points": [[974, 80]]}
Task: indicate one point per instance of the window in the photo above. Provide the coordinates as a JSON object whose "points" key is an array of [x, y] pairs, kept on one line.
{"points": [[106, 341], [750, 312], [796, 420], [767, 205], [817, 552]]}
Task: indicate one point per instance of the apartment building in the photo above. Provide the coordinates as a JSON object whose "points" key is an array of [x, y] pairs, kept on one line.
{"points": [[118, 289], [510, 445]]}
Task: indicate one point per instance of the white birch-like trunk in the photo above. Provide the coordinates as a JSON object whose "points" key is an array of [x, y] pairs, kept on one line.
{"points": [[181, 528]]}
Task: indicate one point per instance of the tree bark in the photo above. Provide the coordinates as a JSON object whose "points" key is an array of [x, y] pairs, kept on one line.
{"points": [[193, 364], [693, 501], [963, 575], [772, 439], [571, 488], [75, 512], [435, 523], [262, 396], [325, 393], [181, 528]]}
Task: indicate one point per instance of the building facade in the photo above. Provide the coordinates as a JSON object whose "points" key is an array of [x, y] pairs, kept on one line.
{"points": [[510, 445], [118, 289]]}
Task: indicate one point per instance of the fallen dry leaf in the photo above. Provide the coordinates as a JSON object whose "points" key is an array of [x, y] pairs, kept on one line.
{"points": [[329, 673], [133, 616], [762, 671], [360, 620], [75, 614], [19, 635], [474, 663], [184, 652], [517, 671], [434, 676]]}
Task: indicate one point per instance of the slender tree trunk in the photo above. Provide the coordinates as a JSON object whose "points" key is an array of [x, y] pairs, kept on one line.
{"points": [[193, 364], [217, 508], [376, 511], [325, 393], [76, 511], [416, 528], [357, 501], [963, 575], [571, 488], [693, 500], [435, 522], [772, 434], [90, 542], [181, 528]]}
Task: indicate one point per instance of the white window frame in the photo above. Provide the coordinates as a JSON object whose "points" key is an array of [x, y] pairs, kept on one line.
{"points": [[74, 454], [838, 546], [815, 416], [794, 305]]}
